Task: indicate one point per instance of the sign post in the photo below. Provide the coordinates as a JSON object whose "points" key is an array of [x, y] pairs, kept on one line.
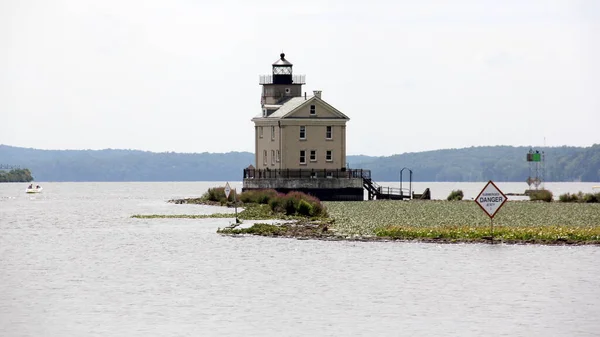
{"points": [[235, 204], [491, 199]]}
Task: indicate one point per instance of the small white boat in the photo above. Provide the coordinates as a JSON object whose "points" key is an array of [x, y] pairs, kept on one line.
{"points": [[32, 189]]}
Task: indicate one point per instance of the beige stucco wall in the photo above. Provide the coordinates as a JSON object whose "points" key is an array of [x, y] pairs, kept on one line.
{"points": [[269, 144], [287, 139], [321, 111], [315, 140]]}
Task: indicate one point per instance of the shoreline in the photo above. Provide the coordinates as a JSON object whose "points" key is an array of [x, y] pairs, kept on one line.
{"points": [[338, 238], [320, 231]]}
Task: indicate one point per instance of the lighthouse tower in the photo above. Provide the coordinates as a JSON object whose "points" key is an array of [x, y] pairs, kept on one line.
{"points": [[281, 85]]}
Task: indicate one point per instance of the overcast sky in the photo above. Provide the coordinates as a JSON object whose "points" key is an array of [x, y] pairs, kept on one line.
{"points": [[182, 75]]}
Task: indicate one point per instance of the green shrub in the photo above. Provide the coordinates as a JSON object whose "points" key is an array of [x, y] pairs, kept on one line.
{"points": [[293, 203], [318, 209], [247, 197], [289, 205], [297, 203], [258, 196], [304, 208], [590, 198], [568, 197], [276, 205], [580, 197], [214, 194], [456, 195], [543, 195]]}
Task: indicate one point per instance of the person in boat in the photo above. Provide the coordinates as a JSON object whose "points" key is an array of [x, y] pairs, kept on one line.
{"points": [[30, 186], [37, 187]]}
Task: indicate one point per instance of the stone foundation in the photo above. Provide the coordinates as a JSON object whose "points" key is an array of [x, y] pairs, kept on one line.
{"points": [[326, 189]]}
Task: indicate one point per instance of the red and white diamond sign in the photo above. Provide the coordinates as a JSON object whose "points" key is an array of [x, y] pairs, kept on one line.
{"points": [[490, 199]]}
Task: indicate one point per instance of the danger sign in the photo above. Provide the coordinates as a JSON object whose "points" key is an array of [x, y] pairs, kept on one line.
{"points": [[227, 190], [491, 199]]}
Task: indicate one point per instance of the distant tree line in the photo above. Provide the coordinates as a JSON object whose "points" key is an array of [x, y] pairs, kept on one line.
{"points": [[498, 163], [16, 176]]}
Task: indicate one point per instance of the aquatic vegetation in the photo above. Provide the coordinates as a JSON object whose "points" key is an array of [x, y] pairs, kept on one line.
{"points": [[370, 217], [528, 234], [439, 221]]}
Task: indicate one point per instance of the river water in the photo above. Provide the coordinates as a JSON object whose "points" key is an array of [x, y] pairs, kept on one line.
{"points": [[73, 263]]}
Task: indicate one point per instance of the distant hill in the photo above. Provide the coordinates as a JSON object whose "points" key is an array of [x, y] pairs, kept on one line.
{"points": [[499, 163]]}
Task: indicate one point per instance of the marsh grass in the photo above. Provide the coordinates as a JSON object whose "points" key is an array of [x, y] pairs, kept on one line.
{"points": [[250, 212], [533, 234]]}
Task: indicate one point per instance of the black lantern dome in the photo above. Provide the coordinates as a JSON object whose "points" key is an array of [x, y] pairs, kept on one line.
{"points": [[282, 71]]}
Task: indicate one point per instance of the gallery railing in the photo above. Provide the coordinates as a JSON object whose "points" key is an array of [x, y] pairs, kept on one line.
{"points": [[307, 173]]}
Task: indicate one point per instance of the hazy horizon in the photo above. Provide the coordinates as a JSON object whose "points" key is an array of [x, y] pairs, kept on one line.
{"points": [[182, 76], [358, 154]]}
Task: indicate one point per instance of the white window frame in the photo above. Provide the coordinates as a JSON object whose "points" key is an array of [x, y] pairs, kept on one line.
{"points": [[313, 110], [278, 156], [329, 155], [260, 132], [302, 132], [272, 157], [265, 157], [329, 132], [272, 132], [313, 154], [302, 155]]}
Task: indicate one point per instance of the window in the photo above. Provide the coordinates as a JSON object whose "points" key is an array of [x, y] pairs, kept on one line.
{"points": [[328, 133], [302, 157], [260, 132], [313, 110], [303, 132], [265, 157], [278, 156], [287, 90], [272, 133], [272, 157], [313, 155], [329, 156], [264, 112]]}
